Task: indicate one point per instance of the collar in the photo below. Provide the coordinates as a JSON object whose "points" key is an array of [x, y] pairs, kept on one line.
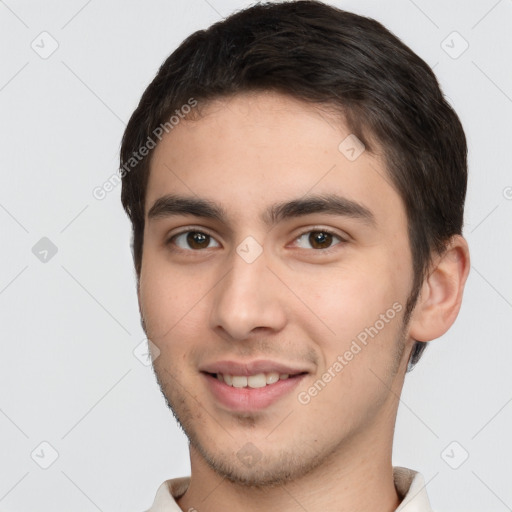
{"points": [[409, 484]]}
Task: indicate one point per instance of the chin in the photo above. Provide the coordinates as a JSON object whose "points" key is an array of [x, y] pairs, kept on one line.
{"points": [[260, 471]]}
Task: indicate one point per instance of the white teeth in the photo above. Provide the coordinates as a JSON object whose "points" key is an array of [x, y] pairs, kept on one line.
{"points": [[239, 381], [272, 378], [259, 380]]}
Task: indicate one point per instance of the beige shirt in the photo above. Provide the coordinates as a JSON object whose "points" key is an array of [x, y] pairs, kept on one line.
{"points": [[409, 485]]}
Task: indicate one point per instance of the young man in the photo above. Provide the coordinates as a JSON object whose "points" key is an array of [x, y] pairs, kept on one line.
{"points": [[296, 184]]}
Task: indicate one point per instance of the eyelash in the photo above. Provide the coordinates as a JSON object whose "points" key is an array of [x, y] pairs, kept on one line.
{"points": [[317, 229]]}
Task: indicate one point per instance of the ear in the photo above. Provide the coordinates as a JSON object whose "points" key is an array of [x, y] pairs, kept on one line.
{"points": [[441, 294]]}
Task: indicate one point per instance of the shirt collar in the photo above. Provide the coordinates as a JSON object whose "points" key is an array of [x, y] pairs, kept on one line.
{"points": [[409, 484]]}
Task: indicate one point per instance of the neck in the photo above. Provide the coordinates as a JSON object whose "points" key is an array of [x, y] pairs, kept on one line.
{"points": [[358, 477]]}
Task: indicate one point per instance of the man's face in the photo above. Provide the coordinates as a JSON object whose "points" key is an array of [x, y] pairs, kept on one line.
{"points": [[315, 293]]}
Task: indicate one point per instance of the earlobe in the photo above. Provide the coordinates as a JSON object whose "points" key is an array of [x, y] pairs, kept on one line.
{"points": [[441, 294]]}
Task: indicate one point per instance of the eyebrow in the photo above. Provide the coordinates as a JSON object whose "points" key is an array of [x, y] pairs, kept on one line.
{"points": [[332, 204]]}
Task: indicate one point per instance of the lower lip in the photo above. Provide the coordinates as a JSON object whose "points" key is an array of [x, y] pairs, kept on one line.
{"points": [[250, 399]]}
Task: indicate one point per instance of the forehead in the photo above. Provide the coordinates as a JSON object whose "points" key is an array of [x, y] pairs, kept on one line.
{"points": [[251, 151]]}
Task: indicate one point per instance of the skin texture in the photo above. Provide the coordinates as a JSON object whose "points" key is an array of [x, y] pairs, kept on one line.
{"points": [[296, 304]]}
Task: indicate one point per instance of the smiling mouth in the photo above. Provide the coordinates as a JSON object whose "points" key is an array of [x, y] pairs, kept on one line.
{"points": [[259, 380]]}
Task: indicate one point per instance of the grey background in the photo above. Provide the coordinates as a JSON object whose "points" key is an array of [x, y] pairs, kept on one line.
{"points": [[69, 324]]}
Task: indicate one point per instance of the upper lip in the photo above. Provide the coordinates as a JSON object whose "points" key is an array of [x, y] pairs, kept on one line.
{"points": [[251, 367]]}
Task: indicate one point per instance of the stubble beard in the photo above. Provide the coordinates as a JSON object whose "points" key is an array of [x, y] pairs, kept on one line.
{"points": [[272, 470]]}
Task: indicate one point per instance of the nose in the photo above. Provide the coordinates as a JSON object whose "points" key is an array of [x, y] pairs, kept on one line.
{"points": [[248, 300]]}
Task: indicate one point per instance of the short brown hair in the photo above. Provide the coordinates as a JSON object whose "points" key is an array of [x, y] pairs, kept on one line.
{"points": [[321, 54]]}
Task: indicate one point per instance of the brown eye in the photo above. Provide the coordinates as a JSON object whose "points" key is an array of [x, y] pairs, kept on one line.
{"points": [[195, 240], [198, 240], [318, 239]]}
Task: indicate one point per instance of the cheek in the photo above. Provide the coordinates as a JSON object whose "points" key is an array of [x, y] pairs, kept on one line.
{"points": [[363, 307], [168, 298], [348, 300]]}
